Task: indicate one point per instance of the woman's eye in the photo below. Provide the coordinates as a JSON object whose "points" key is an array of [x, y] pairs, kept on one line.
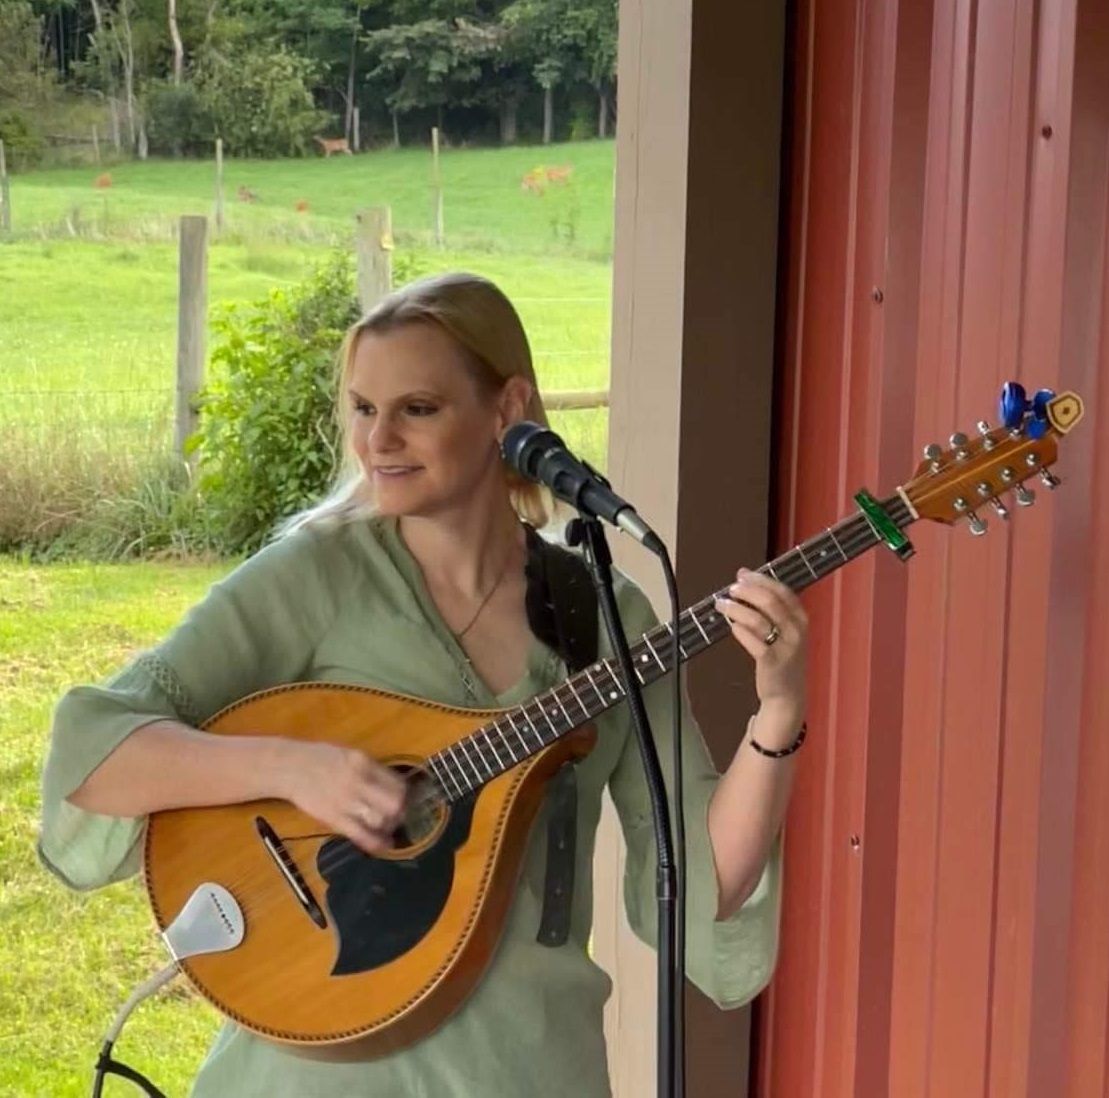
{"points": [[362, 409], [422, 409]]}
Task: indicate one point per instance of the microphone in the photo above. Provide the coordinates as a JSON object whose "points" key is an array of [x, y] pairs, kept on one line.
{"points": [[538, 454]]}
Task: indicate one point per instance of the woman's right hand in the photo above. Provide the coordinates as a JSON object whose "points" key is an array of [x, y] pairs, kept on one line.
{"points": [[345, 790]]}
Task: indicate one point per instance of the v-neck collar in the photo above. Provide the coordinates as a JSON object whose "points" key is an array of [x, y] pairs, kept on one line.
{"points": [[541, 667]]}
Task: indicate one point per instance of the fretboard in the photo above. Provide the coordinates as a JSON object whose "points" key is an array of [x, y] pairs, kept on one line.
{"points": [[522, 732]]}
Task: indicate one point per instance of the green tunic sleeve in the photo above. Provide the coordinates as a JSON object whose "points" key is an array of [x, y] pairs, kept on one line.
{"points": [[255, 628], [730, 960]]}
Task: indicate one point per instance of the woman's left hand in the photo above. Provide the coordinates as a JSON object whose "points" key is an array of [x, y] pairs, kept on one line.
{"points": [[767, 618]]}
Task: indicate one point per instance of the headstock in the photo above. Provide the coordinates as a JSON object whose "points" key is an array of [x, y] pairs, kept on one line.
{"points": [[950, 484]]}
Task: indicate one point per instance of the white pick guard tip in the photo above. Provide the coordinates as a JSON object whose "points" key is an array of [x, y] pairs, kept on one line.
{"points": [[210, 922]]}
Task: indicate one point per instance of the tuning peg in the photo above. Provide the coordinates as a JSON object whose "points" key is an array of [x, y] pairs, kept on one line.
{"points": [[933, 453], [1000, 508], [1049, 479], [1025, 497], [977, 526], [984, 430], [958, 443]]}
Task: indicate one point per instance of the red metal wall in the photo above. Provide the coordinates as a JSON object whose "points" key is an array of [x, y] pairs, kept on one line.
{"points": [[946, 921]]}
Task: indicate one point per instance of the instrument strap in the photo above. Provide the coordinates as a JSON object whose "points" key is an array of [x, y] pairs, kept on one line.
{"points": [[562, 612]]}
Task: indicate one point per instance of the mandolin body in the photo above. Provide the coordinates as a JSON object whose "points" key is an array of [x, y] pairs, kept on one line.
{"points": [[390, 945]]}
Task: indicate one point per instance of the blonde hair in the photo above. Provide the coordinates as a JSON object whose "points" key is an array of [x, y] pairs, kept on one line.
{"points": [[484, 323]]}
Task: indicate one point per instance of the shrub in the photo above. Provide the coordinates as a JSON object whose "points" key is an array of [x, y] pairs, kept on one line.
{"points": [[268, 441], [177, 121], [258, 99], [23, 144]]}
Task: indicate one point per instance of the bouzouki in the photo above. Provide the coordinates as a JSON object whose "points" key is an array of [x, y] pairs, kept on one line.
{"points": [[301, 937]]}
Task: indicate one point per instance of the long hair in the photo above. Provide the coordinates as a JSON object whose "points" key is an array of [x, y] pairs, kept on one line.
{"points": [[484, 323]]}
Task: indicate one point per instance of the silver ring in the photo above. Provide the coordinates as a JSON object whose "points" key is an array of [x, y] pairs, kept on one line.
{"points": [[772, 636]]}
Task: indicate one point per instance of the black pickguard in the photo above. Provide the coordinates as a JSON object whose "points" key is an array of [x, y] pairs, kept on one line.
{"points": [[380, 908]]}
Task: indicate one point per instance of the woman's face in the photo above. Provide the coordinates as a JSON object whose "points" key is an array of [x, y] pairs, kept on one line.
{"points": [[424, 431]]}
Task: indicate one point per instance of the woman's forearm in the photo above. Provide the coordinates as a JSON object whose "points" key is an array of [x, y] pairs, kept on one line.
{"points": [[748, 807], [166, 765]]}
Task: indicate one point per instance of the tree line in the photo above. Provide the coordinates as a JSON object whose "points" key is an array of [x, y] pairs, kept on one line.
{"points": [[268, 76]]}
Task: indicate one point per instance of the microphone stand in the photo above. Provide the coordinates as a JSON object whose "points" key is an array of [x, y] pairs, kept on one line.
{"points": [[587, 530]]}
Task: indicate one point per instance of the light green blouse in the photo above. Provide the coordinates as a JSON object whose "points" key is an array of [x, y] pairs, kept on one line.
{"points": [[347, 603]]}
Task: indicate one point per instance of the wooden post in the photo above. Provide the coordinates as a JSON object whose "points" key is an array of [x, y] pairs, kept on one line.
{"points": [[373, 241], [357, 139], [5, 194], [437, 186], [192, 322], [95, 143], [219, 184]]}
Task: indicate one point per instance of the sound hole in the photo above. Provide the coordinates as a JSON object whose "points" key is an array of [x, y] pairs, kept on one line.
{"points": [[425, 811]]}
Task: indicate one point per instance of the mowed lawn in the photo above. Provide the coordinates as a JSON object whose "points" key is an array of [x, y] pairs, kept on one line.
{"points": [[484, 202], [69, 961]]}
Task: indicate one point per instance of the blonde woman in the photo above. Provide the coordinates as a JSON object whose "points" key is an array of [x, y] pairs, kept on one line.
{"points": [[412, 577]]}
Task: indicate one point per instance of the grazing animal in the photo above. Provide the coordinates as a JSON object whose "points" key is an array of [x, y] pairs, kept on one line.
{"points": [[245, 194], [103, 180], [334, 145], [302, 205], [537, 180]]}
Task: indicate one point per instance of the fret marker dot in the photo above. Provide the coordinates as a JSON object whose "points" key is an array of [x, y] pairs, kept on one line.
{"points": [[613, 695], [643, 658]]}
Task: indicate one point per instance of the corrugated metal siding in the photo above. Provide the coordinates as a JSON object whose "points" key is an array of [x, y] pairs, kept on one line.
{"points": [[946, 929]]}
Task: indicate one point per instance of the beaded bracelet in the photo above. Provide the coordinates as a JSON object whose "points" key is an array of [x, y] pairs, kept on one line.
{"points": [[781, 754]]}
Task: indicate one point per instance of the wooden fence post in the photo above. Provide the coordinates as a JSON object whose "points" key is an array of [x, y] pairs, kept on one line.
{"points": [[437, 186], [357, 134], [219, 184], [5, 194], [95, 143], [192, 323], [373, 241]]}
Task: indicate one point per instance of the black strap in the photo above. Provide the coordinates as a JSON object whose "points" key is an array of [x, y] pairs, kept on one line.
{"points": [[563, 614]]}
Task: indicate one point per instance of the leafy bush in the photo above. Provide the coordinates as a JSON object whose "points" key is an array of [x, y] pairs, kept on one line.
{"points": [[23, 144], [268, 441], [258, 98], [177, 121]]}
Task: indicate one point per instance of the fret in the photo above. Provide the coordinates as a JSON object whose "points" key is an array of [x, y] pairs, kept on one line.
{"points": [[612, 675], [460, 747], [531, 724], [596, 690], [647, 642], [569, 720], [693, 615], [801, 552], [458, 772], [773, 574], [506, 742], [519, 736], [835, 540], [577, 697], [439, 776], [642, 680], [681, 649], [492, 746], [481, 755]]}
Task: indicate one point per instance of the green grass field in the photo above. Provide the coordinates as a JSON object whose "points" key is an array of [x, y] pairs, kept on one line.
{"points": [[87, 340], [484, 205], [69, 961]]}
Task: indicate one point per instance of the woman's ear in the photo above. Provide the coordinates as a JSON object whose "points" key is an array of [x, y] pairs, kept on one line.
{"points": [[512, 405]]}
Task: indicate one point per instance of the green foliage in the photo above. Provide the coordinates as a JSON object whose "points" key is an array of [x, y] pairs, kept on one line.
{"points": [[21, 75], [258, 98], [176, 119], [267, 441], [23, 144]]}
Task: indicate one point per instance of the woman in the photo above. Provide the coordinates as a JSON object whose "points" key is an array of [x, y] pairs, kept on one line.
{"points": [[411, 577]]}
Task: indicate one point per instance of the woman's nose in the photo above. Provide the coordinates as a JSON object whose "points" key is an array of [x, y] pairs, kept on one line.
{"points": [[384, 434]]}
